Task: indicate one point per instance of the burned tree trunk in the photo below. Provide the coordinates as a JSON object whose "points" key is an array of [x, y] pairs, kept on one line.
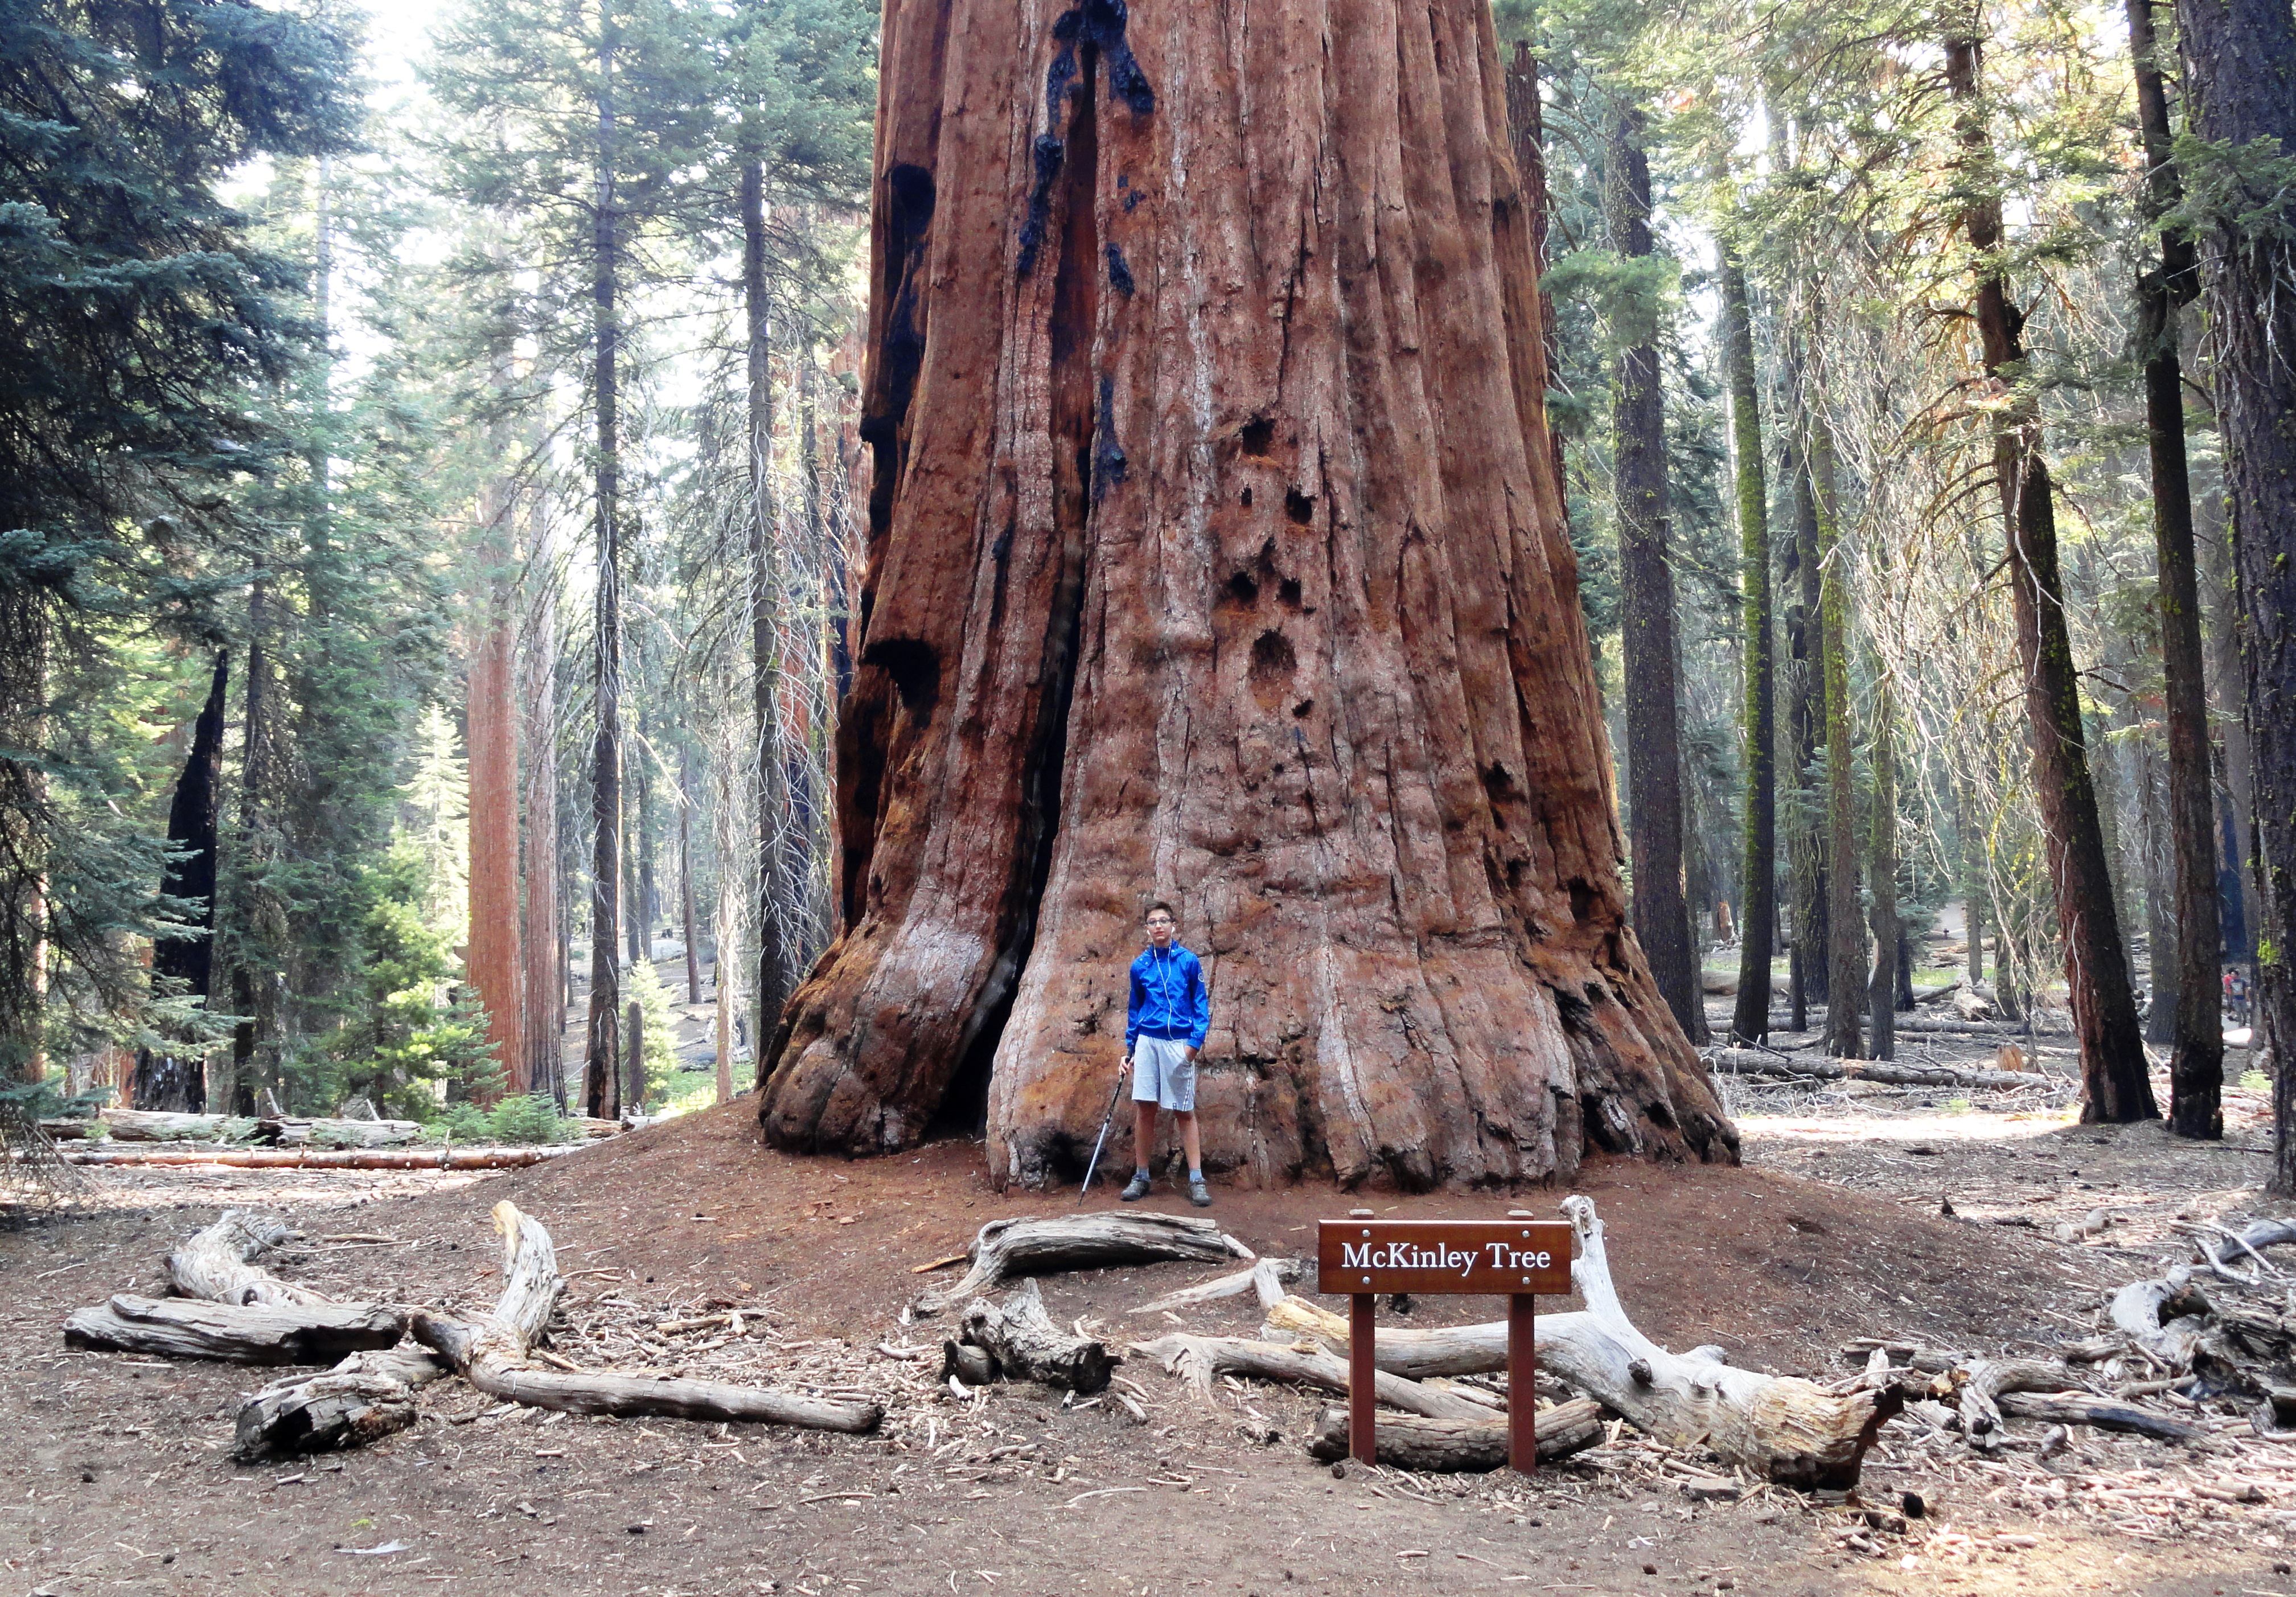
{"points": [[1145, 615], [2114, 1083], [166, 1078]]}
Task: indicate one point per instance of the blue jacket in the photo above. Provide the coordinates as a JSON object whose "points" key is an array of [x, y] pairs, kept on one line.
{"points": [[1168, 998]]}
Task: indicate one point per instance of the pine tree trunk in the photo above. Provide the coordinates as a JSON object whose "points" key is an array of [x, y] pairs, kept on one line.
{"points": [[689, 927], [602, 1095], [24, 642], [167, 1078], [1974, 888], [259, 930], [2159, 894], [493, 962], [1759, 712], [1889, 936], [777, 960], [541, 986], [1805, 718], [2240, 81], [2196, 1043], [634, 1090], [1845, 942], [1146, 615], [1527, 135], [2114, 1084], [2236, 891], [1654, 714], [644, 909]]}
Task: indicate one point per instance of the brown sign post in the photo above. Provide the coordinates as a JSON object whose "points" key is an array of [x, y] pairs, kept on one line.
{"points": [[1517, 1258]]}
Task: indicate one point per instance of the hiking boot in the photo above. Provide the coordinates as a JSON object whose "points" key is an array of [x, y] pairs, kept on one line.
{"points": [[1138, 1189], [1198, 1194]]}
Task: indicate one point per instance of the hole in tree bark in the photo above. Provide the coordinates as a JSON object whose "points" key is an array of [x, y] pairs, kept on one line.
{"points": [[1242, 588], [1272, 663], [1259, 435], [1301, 508]]}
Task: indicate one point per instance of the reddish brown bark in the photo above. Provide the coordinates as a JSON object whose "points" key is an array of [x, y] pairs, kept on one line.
{"points": [[1216, 554], [493, 964]]}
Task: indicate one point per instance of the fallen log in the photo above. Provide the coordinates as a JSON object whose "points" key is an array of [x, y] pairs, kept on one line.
{"points": [[285, 1131], [2085, 1408], [323, 1158], [1748, 1061], [1408, 1442], [1229, 1286], [250, 1334], [1023, 1341], [1199, 1360], [490, 1352], [1787, 1429], [157, 1125], [362, 1399], [1087, 1242], [217, 1262], [1413, 1354], [968, 1364]]}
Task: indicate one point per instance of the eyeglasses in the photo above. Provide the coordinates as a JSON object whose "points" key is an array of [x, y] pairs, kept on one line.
{"points": [[1160, 920]]}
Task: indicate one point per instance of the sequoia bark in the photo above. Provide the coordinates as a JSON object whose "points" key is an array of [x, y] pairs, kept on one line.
{"points": [[1216, 554]]}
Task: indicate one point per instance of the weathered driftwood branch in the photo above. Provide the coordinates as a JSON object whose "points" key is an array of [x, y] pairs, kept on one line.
{"points": [[1408, 1442], [1276, 1270], [1199, 1360], [1748, 1061], [2087, 1408], [1789, 1430], [969, 1364], [252, 1334], [1020, 1337], [362, 1399], [1087, 1242], [490, 1352], [217, 1262]]}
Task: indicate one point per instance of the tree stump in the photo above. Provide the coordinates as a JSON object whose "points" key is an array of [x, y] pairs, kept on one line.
{"points": [[1216, 553], [1023, 1341]]}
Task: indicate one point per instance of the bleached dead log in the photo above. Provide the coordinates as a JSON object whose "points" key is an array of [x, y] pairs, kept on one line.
{"points": [[1087, 1242], [1749, 1062], [1201, 1360], [1413, 1354], [968, 1364], [1276, 1270], [1984, 1380], [1023, 1341], [321, 1158], [156, 1126], [286, 1130], [490, 1352], [216, 1262], [1409, 1442], [2163, 1318], [1789, 1430], [362, 1399], [250, 1334]]}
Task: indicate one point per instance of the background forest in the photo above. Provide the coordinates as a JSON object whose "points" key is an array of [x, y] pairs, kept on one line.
{"points": [[431, 491]]}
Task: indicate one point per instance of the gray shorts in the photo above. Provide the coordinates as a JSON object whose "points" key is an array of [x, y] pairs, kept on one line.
{"points": [[1164, 1073]]}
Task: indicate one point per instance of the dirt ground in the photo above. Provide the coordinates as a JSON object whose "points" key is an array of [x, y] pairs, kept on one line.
{"points": [[117, 1474]]}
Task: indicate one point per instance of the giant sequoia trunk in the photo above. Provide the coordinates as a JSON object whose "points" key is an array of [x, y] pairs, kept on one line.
{"points": [[2240, 62], [494, 969], [1216, 554], [2115, 1086]]}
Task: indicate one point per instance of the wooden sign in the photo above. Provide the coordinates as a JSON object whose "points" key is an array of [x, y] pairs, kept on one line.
{"points": [[1517, 1258], [1431, 1256]]}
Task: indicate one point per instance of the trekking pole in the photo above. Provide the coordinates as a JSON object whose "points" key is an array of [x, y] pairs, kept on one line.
{"points": [[1106, 1121]]}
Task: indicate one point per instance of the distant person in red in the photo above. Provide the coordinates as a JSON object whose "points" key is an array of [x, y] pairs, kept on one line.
{"points": [[1164, 1026]]}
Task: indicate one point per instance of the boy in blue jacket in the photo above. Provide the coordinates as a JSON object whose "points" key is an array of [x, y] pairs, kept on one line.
{"points": [[1164, 1025]]}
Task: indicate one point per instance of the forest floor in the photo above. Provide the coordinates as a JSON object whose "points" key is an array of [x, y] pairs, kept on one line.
{"points": [[116, 1476]]}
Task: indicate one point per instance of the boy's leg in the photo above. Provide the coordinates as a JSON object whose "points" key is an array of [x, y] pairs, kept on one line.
{"points": [[1187, 1122], [1143, 1132]]}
